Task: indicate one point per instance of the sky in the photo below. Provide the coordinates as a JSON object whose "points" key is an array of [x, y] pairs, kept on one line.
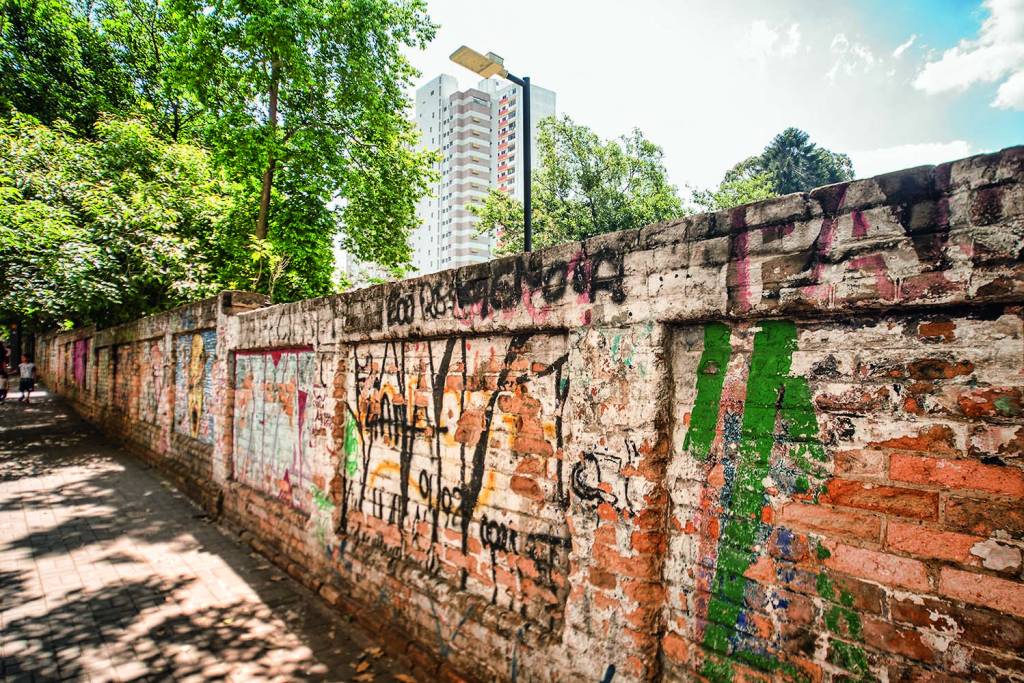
{"points": [[892, 83]]}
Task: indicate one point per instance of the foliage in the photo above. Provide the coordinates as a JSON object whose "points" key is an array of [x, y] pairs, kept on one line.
{"points": [[55, 65], [105, 230], [140, 33], [735, 191], [794, 163], [584, 186], [306, 108]]}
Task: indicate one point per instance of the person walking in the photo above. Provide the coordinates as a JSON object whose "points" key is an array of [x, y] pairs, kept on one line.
{"points": [[27, 381]]}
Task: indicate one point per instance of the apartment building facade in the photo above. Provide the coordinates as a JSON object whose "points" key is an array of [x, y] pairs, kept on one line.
{"points": [[479, 135]]}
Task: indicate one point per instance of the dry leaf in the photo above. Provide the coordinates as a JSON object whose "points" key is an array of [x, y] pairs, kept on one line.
{"points": [[362, 678], [277, 577], [376, 652], [405, 678], [362, 666]]}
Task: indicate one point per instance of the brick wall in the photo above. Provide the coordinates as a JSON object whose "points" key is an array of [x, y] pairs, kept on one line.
{"points": [[782, 442]]}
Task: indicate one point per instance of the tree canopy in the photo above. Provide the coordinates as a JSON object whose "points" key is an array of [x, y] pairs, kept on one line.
{"points": [[251, 134], [794, 164], [584, 186], [99, 230]]}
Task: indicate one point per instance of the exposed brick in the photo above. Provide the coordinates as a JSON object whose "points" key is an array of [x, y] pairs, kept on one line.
{"points": [[892, 500], [972, 624], [984, 516], [880, 567], [930, 543], [836, 523], [982, 589], [902, 641], [675, 647], [956, 474], [861, 463]]}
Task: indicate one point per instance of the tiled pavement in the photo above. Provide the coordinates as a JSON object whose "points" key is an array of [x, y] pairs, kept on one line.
{"points": [[108, 573]]}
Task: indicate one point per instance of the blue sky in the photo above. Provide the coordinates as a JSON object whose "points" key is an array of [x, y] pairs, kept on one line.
{"points": [[893, 84]]}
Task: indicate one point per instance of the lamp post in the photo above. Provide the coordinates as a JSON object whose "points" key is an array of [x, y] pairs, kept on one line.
{"points": [[492, 65]]}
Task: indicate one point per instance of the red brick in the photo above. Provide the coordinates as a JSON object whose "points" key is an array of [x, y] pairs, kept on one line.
{"points": [[932, 439], [925, 542], [990, 402], [984, 517], [982, 589], [526, 487], [889, 570], [957, 474], [937, 331], [675, 647], [861, 463], [892, 500], [823, 519], [976, 625], [902, 641]]}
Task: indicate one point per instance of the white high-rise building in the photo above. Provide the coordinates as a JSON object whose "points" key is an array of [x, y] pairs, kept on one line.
{"points": [[478, 133]]}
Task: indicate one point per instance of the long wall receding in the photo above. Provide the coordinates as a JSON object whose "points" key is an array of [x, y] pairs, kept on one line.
{"points": [[782, 442]]}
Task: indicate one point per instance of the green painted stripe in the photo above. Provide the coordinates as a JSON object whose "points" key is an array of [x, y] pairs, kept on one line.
{"points": [[769, 369], [710, 377]]}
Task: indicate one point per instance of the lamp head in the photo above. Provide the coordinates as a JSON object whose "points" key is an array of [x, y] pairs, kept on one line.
{"points": [[486, 65]]}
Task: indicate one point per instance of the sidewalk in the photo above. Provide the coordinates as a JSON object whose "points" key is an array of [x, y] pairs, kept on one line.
{"points": [[107, 573]]}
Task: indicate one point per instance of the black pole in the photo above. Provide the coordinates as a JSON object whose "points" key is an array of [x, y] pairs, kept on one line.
{"points": [[524, 83], [528, 170]]}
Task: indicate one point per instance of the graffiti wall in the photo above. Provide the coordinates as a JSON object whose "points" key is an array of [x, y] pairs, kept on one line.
{"points": [[273, 420], [801, 451], [782, 442], [453, 450], [193, 384]]}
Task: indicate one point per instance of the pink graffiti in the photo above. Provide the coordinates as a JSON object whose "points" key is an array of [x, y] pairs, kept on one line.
{"points": [[741, 269], [860, 224]]}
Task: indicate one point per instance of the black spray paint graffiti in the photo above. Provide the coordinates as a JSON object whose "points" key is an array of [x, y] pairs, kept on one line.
{"points": [[401, 389], [595, 469], [506, 283]]}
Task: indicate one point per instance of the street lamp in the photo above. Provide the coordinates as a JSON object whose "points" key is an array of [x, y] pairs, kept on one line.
{"points": [[492, 65]]}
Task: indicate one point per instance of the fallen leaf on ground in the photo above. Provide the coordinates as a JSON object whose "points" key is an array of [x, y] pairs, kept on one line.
{"points": [[405, 678], [362, 666], [277, 577], [362, 678], [376, 652]]}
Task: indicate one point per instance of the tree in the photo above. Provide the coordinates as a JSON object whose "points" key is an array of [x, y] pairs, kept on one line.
{"points": [[55, 65], [794, 163], [306, 109], [735, 191], [105, 230], [141, 32], [584, 186]]}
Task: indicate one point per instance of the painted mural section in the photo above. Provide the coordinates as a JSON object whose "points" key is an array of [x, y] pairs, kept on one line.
{"points": [[453, 459], [273, 423], [80, 362], [193, 384], [152, 390]]}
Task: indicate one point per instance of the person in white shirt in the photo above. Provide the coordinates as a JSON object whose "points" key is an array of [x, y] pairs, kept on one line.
{"points": [[27, 373]]}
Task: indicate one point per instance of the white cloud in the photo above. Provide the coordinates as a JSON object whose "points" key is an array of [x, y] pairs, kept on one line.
{"points": [[851, 57], [996, 54], [872, 162], [1011, 93], [904, 46], [764, 41]]}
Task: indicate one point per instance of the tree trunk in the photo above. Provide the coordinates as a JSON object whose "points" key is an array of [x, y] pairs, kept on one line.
{"points": [[268, 173]]}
